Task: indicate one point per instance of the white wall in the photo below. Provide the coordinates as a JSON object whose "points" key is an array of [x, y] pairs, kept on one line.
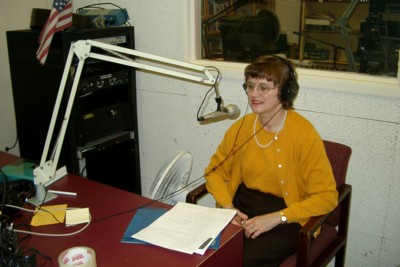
{"points": [[363, 114]]}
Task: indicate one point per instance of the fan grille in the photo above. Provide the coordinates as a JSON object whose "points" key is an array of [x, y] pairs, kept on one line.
{"points": [[173, 175]]}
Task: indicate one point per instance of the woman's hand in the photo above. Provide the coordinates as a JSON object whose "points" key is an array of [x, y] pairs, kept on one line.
{"points": [[239, 218], [260, 224]]}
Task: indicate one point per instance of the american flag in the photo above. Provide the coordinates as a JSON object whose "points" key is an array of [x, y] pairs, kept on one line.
{"points": [[60, 18]]}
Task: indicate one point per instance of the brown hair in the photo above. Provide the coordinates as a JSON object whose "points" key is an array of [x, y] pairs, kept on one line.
{"points": [[272, 68]]}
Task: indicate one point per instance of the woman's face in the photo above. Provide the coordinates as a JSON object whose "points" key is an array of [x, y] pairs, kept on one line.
{"points": [[262, 96]]}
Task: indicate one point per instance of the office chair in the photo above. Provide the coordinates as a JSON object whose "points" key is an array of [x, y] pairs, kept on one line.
{"points": [[332, 240]]}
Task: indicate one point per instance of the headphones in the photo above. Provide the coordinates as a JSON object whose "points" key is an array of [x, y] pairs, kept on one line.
{"points": [[290, 88]]}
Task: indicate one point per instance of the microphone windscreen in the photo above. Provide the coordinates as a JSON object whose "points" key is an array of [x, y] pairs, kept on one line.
{"points": [[232, 110]]}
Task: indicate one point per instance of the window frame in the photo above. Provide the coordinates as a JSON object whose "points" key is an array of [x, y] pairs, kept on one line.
{"points": [[334, 80]]}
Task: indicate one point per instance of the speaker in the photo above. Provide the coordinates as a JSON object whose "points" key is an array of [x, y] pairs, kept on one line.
{"points": [[102, 122], [101, 161], [105, 102]]}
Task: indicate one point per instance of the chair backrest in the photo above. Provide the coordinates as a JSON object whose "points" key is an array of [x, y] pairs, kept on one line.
{"points": [[339, 157], [332, 239]]}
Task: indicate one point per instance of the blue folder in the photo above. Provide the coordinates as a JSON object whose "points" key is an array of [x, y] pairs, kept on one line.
{"points": [[143, 218]]}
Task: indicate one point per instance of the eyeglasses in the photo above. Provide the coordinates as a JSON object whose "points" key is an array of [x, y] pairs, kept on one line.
{"points": [[262, 88]]}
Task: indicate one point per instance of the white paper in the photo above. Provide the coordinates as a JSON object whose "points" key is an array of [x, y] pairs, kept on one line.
{"points": [[186, 227]]}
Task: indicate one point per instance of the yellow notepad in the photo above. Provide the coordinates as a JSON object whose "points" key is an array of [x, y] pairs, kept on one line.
{"points": [[46, 215], [77, 216]]}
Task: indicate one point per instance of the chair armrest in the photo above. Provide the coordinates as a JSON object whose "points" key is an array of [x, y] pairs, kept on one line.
{"points": [[312, 226], [194, 195], [316, 222]]}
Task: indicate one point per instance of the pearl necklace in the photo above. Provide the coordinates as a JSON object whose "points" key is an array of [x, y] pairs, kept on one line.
{"points": [[276, 134]]}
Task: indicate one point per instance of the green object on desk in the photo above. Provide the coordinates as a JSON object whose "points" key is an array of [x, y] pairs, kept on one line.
{"points": [[18, 170]]}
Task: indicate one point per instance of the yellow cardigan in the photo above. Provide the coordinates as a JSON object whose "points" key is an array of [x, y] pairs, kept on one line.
{"points": [[294, 167]]}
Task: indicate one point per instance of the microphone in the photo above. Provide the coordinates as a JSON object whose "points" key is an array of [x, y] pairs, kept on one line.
{"points": [[229, 111]]}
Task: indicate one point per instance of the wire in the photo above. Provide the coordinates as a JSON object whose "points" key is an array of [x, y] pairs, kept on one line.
{"points": [[232, 152], [211, 68], [213, 86], [3, 200], [100, 4], [96, 6], [54, 235], [9, 148], [229, 155], [9, 250], [82, 171], [202, 102], [40, 208], [48, 234], [214, 168], [10, 253]]}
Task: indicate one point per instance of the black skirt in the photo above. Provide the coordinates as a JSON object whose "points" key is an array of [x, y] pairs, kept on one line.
{"points": [[272, 247]]}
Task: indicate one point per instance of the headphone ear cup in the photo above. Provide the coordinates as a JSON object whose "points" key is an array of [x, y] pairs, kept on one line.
{"points": [[290, 90], [285, 93], [291, 87]]}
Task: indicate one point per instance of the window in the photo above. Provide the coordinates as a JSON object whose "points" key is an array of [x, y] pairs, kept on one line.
{"points": [[346, 35]]}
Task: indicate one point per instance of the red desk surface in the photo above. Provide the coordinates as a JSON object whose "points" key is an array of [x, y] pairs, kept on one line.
{"points": [[112, 210], [6, 158]]}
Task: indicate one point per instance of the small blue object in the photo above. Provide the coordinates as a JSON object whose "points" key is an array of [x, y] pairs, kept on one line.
{"points": [[106, 17]]}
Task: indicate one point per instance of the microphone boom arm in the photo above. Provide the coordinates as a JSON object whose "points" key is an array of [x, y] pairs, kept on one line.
{"points": [[46, 171]]}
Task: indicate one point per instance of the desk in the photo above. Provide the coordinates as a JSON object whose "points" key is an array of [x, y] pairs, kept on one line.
{"points": [[105, 232]]}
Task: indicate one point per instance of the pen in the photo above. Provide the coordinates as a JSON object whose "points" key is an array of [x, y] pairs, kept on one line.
{"points": [[62, 192]]}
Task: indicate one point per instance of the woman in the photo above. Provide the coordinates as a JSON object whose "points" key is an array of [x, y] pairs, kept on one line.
{"points": [[271, 166]]}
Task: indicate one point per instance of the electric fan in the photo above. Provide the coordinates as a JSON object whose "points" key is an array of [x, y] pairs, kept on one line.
{"points": [[173, 176]]}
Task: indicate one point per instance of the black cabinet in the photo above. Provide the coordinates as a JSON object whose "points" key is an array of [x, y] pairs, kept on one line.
{"points": [[101, 142]]}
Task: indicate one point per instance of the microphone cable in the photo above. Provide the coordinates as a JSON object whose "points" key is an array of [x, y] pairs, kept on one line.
{"points": [[218, 99], [232, 152]]}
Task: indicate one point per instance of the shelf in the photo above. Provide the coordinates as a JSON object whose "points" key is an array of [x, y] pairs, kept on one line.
{"points": [[338, 62], [215, 10], [329, 14], [335, 1], [357, 32], [323, 65]]}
